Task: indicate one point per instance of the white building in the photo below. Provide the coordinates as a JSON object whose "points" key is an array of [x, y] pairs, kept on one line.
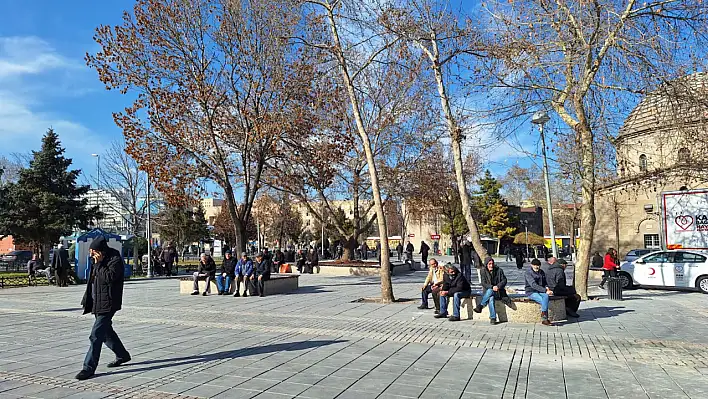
{"points": [[115, 216]]}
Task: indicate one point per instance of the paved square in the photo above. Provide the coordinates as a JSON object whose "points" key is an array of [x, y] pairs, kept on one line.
{"points": [[319, 344]]}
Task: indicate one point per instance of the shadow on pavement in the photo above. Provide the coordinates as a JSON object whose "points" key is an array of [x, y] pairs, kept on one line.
{"points": [[596, 313], [233, 354]]}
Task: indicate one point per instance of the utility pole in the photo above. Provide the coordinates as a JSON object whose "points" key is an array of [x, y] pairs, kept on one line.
{"points": [[148, 233]]}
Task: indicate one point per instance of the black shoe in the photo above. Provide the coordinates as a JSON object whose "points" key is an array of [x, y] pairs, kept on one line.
{"points": [[236, 295], [571, 313], [440, 315], [118, 362], [493, 322], [261, 295], [602, 287], [436, 311], [477, 309], [84, 375], [220, 293], [205, 293], [195, 293], [422, 307], [454, 318], [245, 295]]}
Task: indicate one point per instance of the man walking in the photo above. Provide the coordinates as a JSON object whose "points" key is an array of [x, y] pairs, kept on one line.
{"points": [[494, 285], [507, 252], [424, 249], [399, 250], [60, 264], [169, 258], [466, 260], [103, 298]]}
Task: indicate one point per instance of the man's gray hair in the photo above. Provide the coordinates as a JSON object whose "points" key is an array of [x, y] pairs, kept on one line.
{"points": [[433, 260]]}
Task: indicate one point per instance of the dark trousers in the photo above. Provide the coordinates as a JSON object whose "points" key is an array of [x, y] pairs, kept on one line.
{"points": [[572, 302], [261, 285], [606, 274], [102, 332], [425, 258], [168, 268], [436, 297], [247, 285]]}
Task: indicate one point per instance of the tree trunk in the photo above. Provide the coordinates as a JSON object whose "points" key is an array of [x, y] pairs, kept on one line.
{"points": [[456, 142], [386, 286], [587, 211], [348, 247], [498, 246]]}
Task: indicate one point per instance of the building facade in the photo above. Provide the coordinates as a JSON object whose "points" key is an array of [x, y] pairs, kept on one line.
{"points": [[115, 215]]}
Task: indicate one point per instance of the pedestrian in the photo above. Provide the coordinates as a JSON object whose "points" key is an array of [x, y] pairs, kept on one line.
{"points": [[537, 289], [168, 258], [312, 261], [364, 251], [477, 264], [227, 275], [207, 270], [466, 260], [494, 288], [597, 261], [261, 273], [61, 266], [555, 277], [103, 298], [399, 250], [507, 252], [424, 249], [301, 261], [610, 266], [519, 255]]}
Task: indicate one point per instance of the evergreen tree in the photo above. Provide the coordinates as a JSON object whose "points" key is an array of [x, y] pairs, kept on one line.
{"points": [[182, 226], [492, 209], [44, 204]]}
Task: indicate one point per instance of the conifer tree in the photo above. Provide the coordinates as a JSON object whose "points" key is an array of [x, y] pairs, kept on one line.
{"points": [[492, 209]]}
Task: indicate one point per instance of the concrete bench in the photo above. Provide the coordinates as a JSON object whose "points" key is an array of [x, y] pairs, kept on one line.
{"points": [[278, 284], [519, 310]]}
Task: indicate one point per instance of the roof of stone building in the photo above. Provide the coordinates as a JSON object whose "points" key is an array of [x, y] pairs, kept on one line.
{"points": [[681, 101]]}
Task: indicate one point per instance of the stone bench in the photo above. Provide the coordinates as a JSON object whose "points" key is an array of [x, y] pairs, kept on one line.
{"points": [[334, 269], [519, 310], [278, 284]]}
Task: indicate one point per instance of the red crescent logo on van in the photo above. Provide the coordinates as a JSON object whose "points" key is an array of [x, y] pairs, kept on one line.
{"points": [[652, 271]]}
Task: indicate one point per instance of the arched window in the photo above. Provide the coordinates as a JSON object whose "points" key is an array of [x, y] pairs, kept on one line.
{"points": [[683, 155], [642, 163]]}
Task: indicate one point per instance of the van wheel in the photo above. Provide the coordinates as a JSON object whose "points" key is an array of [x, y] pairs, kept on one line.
{"points": [[627, 283], [702, 284]]}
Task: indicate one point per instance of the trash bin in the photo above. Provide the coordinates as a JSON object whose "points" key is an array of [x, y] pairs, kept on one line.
{"points": [[127, 270], [448, 252], [614, 288]]}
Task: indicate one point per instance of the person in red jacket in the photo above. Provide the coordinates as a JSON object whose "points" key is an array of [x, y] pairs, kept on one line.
{"points": [[610, 266]]}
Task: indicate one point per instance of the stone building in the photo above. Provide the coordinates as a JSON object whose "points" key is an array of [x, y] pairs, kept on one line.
{"points": [[661, 147]]}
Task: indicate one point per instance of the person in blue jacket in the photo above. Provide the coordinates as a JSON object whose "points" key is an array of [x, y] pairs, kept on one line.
{"points": [[244, 272]]}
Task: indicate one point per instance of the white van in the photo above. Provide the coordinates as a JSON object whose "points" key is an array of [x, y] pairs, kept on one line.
{"points": [[677, 268]]}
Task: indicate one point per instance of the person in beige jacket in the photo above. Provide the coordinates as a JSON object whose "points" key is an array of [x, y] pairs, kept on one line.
{"points": [[432, 285]]}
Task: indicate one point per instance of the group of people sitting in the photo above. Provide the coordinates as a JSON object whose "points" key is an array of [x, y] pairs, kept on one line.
{"points": [[445, 282], [253, 274]]}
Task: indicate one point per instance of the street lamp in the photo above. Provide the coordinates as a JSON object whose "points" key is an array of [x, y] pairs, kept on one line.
{"points": [[98, 181], [526, 228], [540, 118], [148, 231]]}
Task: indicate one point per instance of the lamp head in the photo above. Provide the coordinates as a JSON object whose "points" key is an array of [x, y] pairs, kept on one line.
{"points": [[540, 118]]}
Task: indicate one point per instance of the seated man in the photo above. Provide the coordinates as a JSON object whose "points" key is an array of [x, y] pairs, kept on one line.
{"points": [[262, 272], [454, 285], [227, 275], [278, 260], [494, 284], [537, 288], [557, 283], [244, 271], [207, 269], [433, 283], [300, 261]]}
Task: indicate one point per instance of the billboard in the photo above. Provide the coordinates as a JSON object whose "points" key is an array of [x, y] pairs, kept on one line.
{"points": [[685, 219]]}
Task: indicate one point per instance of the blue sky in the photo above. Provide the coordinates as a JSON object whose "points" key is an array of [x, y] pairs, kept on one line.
{"points": [[44, 81]]}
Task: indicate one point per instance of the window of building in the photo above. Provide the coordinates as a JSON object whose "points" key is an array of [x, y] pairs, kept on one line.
{"points": [[642, 163], [683, 155], [651, 241]]}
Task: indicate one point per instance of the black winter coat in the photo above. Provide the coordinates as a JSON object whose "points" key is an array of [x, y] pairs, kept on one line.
{"points": [[457, 284], [104, 290], [409, 247], [597, 261], [229, 266], [466, 255], [262, 268], [313, 258], [424, 248], [208, 268], [61, 262], [555, 278], [494, 278]]}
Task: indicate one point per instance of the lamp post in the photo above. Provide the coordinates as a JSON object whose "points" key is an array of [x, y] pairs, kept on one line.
{"points": [[148, 231], [540, 118], [98, 181], [526, 228]]}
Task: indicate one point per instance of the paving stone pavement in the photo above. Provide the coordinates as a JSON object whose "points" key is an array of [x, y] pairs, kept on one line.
{"points": [[318, 343]]}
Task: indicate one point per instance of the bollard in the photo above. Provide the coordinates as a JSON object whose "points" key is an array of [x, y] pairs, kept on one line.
{"points": [[614, 288]]}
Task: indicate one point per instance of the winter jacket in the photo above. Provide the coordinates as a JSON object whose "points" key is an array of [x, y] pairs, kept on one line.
{"points": [[61, 262], [208, 267], [476, 260], [597, 261], [437, 274], [535, 281], [555, 277], [610, 263], [313, 258], [409, 247], [104, 290], [33, 265], [279, 257], [494, 278], [263, 267], [424, 248], [229, 267], [519, 258], [244, 267], [399, 249], [457, 284], [466, 255], [169, 255]]}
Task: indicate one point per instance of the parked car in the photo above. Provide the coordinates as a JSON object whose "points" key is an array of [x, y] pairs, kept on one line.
{"points": [[676, 268], [636, 253], [21, 257]]}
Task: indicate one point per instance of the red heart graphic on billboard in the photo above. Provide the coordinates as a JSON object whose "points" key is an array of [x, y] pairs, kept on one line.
{"points": [[684, 221]]}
